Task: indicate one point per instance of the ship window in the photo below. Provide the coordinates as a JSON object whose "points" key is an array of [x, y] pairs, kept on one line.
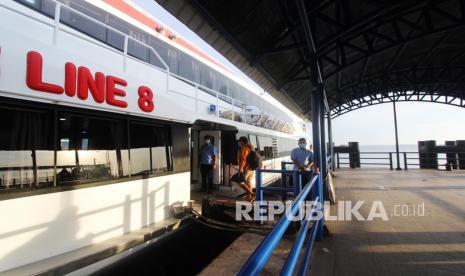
{"points": [[90, 150], [154, 60], [234, 91], [186, 68], [266, 146], [115, 39], [161, 49], [222, 84], [150, 149], [285, 146], [173, 60], [253, 141], [26, 143], [46, 7], [118, 24], [205, 76], [138, 50], [83, 24], [196, 71]]}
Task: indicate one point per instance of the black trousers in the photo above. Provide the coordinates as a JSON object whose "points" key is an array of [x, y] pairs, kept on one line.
{"points": [[207, 175]]}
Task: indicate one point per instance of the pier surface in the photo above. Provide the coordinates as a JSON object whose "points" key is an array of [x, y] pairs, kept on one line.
{"points": [[432, 244]]}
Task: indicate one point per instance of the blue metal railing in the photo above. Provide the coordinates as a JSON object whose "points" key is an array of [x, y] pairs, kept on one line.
{"points": [[259, 258]]}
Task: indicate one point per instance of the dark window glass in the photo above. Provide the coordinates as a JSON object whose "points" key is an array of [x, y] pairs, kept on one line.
{"points": [[266, 146], [144, 53], [222, 84], [138, 50], [46, 7], [118, 24], [154, 60], [235, 93], [26, 149], [196, 71], [150, 149], [185, 67], [205, 76], [115, 40], [253, 141], [90, 149], [86, 8], [161, 48], [83, 24], [173, 60], [285, 146]]}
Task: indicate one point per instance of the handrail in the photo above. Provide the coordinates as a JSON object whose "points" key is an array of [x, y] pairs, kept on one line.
{"points": [[259, 258], [293, 256], [262, 253], [454, 161]]}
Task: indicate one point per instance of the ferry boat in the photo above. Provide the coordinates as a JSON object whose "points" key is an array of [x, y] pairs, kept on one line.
{"points": [[103, 111]]}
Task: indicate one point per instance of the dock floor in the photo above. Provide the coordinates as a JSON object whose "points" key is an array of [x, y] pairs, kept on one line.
{"points": [[432, 244]]}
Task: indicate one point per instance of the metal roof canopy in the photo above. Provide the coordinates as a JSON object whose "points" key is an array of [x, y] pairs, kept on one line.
{"points": [[364, 52]]}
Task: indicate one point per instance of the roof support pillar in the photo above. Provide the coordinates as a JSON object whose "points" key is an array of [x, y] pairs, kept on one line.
{"points": [[330, 139], [324, 155], [397, 136], [318, 101], [315, 104], [318, 133], [324, 158]]}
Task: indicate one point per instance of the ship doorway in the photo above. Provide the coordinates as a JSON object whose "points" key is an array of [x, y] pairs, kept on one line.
{"points": [[197, 143]]}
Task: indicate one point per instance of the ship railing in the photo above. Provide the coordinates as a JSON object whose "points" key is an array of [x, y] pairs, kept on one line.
{"points": [[311, 227], [221, 102], [407, 160]]}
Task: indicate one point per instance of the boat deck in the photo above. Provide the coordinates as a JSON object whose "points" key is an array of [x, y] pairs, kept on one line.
{"points": [[433, 244]]}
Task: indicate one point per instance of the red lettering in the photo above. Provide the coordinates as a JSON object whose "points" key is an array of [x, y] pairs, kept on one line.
{"points": [[70, 79], [87, 82], [112, 91], [81, 80], [145, 99], [34, 75]]}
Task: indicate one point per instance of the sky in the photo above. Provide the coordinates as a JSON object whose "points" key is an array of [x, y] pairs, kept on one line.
{"points": [[372, 125]]}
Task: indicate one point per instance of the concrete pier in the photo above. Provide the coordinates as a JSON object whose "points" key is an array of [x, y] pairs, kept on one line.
{"points": [[432, 244]]}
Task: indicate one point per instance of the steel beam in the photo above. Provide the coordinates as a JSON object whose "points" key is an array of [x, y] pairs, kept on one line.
{"points": [[324, 158], [330, 139], [316, 132], [397, 136]]}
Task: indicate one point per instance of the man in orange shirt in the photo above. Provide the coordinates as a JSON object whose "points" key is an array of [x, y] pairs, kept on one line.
{"points": [[244, 166]]}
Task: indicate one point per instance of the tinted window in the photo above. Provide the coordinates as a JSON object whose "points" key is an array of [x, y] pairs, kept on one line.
{"points": [[205, 76], [115, 40], [150, 149], [161, 48], [118, 24], [173, 60], [138, 50], [285, 146], [185, 67], [222, 84], [26, 149], [266, 146], [83, 24], [46, 7], [253, 141], [90, 149]]}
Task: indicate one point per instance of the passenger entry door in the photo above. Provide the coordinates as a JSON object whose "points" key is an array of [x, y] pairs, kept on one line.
{"points": [[217, 172]]}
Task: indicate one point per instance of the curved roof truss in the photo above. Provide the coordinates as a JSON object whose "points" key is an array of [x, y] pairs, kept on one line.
{"points": [[362, 47]]}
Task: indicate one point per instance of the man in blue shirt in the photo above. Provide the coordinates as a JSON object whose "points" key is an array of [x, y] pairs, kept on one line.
{"points": [[207, 158], [302, 158]]}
